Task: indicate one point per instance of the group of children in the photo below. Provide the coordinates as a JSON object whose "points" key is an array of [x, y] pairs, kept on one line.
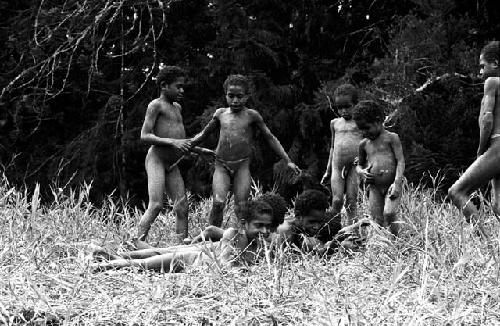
{"points": [[362, 150]]}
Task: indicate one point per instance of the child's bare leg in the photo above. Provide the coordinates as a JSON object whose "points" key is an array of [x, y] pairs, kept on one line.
{"points": [[483, 169], [338, 186], [176, 191], [376, 204], [391, 209], [156, 185], [351, 195], [241, 185], [495, 195], [220, 187]]}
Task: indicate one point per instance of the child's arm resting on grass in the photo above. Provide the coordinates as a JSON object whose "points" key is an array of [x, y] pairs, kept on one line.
{"points": [[395, 188], [148, 136], [211, 233], [364, 172], [328, 172], [273, 141], [230, 248], [212, 125], [486, 121]]}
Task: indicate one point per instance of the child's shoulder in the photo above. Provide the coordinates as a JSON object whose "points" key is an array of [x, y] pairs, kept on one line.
{"points": [[392, 135], [491, 83]]}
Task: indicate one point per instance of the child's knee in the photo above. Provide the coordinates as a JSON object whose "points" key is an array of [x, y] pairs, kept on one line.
{"points": [[453, 192], [155, 206], [337, 203]]}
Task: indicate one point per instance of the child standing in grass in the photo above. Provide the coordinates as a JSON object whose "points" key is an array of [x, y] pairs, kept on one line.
{"points": [[236, 123], [341, 169], [237, 246], [381, 164], [163, 129], [487, 164]]}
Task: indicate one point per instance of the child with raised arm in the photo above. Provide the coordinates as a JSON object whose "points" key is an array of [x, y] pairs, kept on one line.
{"points": [[237, 247], [381, 164], [234, 149], [486, 167], [341, 169], [163, 129]]}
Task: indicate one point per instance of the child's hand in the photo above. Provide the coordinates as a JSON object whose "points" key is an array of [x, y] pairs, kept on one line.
{"points": [[294, 167], [326, 178], [366, 175], [394, 191], [184, 145]]}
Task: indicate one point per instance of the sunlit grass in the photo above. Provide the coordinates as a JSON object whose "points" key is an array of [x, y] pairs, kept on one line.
{"points": [[438, 273]]}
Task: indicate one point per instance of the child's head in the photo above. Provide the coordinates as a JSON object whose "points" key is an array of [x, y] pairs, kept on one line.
{"points": [[488, 60], [258, 218], [310, 208], [278, 204], [344, 98], [369, 117], [237, 89], [171, 80]]}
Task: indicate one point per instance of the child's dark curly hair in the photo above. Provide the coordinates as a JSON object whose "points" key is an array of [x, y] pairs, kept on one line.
{"points": [[309, 200], [278, 204], [347, 90], [169, 74], [369, 111], [249, 210], [237, 80], [490, 52]]}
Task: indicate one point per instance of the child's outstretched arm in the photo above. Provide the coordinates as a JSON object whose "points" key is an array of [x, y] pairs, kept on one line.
{"points": [[148, 136], [212, 125], [273, 141], [486, 120], [397, 148], [362, 169], [328, 171]]}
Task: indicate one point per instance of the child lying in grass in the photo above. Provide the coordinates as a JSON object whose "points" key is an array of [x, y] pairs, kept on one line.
{"points": [[277, 203], [237, 247]]}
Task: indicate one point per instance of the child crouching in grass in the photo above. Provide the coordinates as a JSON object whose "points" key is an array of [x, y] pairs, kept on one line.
{"points": [[312, 226], [237, 246]]}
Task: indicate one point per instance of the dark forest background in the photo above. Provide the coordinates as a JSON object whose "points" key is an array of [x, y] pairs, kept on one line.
{"points": [[76, 77]]}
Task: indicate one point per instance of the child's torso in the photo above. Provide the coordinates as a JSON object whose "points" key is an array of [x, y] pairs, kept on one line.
{"points": [[168, 124], [236, 135], [346, 141], [380, 156], [496, 110]]}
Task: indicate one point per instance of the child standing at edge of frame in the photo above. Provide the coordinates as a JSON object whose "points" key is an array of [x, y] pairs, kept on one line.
{"points": [[381, 164], [163, 129], [234, 147], [486, 167], [341, 169]]}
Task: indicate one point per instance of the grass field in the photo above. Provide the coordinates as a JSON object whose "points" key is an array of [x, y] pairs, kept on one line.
{"points": [[438, 273]]}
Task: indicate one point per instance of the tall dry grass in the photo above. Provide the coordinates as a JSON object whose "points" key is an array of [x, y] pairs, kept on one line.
{"points": [[438, 273]]}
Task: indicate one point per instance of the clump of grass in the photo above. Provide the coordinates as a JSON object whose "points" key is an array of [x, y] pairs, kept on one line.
{"points": [[437, 273]]}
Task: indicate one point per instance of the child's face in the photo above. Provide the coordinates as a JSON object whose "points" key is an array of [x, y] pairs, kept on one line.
{"points": [[236, 97], [344, 105], [313, 221], [487, 69], [259, 226], [370, 130], [175, 90]]}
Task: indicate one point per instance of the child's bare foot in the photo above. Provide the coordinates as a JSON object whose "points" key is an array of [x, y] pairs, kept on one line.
{"points": [[99, 253]]}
